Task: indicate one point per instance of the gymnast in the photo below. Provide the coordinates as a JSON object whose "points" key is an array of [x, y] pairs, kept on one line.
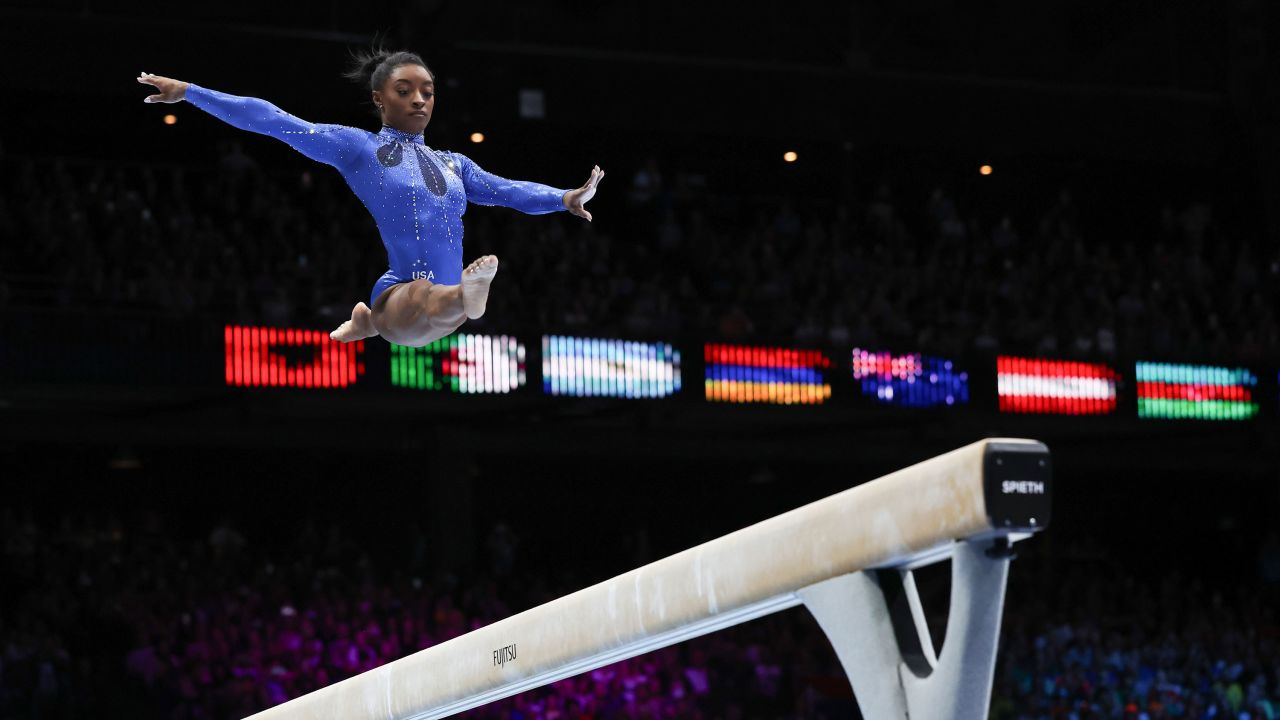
{"points": [[417, 194]]}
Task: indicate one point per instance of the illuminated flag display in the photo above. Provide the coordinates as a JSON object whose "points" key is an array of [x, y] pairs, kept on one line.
{"points": [[462, 363], [279, 357], [1195, 392], [587, 367], [910, 380], [768, 375], [1059, 387]]}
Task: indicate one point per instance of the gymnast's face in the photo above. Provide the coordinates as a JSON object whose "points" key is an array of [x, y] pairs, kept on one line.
{"points": [[408, 98]]}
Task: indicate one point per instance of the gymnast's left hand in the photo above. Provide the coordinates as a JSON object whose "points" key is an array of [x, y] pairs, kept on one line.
{"points": [[575, 199], [171, 91]]}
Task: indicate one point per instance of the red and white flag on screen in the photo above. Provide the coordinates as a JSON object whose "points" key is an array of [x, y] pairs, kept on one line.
{"points": [[1061, 387]]}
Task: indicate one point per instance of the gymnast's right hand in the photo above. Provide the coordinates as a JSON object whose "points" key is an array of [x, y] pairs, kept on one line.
{"points": [[171, 91]]}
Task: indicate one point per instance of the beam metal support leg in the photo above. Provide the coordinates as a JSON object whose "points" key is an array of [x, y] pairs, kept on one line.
{"points": [[876, 624]]}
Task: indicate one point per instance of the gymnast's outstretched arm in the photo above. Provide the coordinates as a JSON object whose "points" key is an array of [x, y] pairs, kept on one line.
{"points": [[485, 188], [334, 145]]}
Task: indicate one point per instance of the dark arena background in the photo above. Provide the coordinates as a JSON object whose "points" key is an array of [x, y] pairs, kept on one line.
{"points": [[835, 239]]}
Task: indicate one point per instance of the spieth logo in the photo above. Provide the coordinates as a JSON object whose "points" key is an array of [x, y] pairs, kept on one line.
{"points": [[1022, 487], [504, 655]]}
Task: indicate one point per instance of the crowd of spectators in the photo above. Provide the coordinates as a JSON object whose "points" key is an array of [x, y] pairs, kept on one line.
{"points": [[134, 618], [149, 620], [1084, 638], [900, 267]]}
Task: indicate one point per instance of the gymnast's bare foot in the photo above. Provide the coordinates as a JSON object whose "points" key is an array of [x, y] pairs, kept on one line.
{"points": [[359, 327], [475, 285]]}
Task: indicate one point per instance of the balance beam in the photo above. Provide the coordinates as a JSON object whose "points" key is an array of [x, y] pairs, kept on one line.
{"points": [[847, 557]]}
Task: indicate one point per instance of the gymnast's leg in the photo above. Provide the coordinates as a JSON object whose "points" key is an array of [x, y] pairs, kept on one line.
{"points": [[418, 312]]}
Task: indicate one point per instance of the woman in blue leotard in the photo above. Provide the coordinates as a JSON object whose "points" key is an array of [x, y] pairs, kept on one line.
{"points": [[417, 194]]}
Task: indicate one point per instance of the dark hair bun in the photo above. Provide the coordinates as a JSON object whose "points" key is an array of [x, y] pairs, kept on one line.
{"points": [[371, 68]]}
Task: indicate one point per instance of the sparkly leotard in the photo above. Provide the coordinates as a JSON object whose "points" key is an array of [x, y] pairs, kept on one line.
{"points": [[417, 195]]}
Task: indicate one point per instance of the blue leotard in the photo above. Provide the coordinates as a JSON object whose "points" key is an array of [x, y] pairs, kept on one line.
{"points": [[417, 195]]}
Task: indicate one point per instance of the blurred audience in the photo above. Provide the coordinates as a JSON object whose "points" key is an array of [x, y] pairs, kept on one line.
{"points": [[242, 244], [143, 619]]}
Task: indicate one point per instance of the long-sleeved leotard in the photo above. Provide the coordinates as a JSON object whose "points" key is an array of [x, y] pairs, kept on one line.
{"points": [[417, 195]]}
